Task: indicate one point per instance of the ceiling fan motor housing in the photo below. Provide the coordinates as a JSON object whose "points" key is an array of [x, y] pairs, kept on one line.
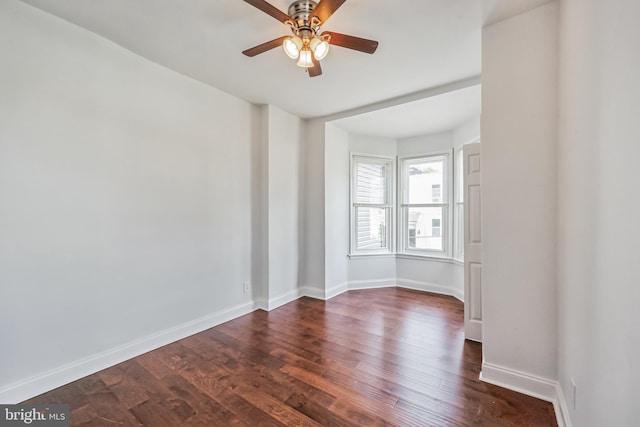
{"points": [[300, 11]]}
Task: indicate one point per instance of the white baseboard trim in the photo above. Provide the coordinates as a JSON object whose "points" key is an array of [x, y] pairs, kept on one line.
{"points": [[561, 408], [528, 384], [336, 290], [372, 284], [430, 287], [313, 293], [458, 294], [521, 382], [261, 304], [46, 381], [290, 296], [383, 283]]}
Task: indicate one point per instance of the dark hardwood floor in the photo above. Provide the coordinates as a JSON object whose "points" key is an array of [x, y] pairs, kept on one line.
{"points": [[365, 358]]}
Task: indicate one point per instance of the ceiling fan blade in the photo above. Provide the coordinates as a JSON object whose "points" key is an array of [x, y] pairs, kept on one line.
{"points": [[261, 48], [325, 9], [269, 10], [351, 42], [316, 70]]}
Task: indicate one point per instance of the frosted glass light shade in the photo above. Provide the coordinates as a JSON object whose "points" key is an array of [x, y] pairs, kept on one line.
{"points": [[305, 59], [292, 47], [319, 47]]}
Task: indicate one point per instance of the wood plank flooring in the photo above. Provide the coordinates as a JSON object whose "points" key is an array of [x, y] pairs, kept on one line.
{"points": [[364, 358]]}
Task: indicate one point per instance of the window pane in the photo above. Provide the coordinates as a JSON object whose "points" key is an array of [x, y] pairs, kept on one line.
{"points": [[425, 181], [371, 228], [371, 183], [425, 228]]}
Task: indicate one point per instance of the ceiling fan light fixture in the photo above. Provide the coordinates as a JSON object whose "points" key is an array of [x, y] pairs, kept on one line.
{"points": [[319, 47], [292, 47], [307, 43], [305, 59]]}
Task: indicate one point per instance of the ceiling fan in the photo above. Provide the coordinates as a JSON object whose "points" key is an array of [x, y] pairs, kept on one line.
{"points": [[309, 44]]}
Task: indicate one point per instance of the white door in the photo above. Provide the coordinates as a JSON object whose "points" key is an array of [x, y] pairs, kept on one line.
{"points": [[472, 243]]}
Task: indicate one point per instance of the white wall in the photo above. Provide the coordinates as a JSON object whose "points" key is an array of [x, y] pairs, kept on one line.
{"points": [[127, 199], [372, 145], [285, 160], [519, 140], [336, 208], [441, 276], [599, 338], [312, 267], [424, 144], [467, 132]]}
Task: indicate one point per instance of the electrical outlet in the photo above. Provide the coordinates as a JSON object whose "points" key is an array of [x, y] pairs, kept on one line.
{"points": [[245, 287], [573, 393]]}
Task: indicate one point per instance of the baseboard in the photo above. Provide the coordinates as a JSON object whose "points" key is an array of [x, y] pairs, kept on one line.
{"points": [[261, 304], [336, 290], [383, 283], [313, 293], [458, 294], [561, 408], [407, 284], [372, 284], [283, 299], [430, 287], [46, 381], [528, 384], [322, 294], [521, 382]]}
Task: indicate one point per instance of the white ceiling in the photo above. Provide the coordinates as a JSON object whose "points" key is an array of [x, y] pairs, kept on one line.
{"points": [[430, 115], [424, 44], [497, 10]]}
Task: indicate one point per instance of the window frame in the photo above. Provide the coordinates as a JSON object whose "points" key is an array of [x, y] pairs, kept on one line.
{"points": [[446, 204], [389, 204], [458, 204]]}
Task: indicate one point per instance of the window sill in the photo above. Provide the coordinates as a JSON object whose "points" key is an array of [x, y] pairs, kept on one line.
{"points": [[365, 256], [436, 258]]}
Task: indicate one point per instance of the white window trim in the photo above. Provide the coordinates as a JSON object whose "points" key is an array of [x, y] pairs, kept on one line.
{"points": [[390, 205], [458, 236], [447, 227]]}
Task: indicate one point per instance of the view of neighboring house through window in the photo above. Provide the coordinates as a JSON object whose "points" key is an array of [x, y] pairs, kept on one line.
{"points": [[435, 227], [424, 204], [372, 202], [435, 193]]}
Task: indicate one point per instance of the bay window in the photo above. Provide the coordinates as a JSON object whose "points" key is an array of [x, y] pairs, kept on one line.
{"points": [[427, 209]]}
